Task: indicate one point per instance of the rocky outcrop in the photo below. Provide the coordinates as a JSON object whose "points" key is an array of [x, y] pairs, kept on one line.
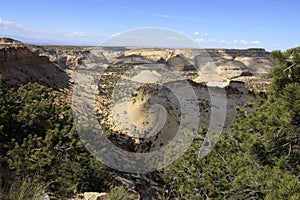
{"points": [[55, 66], [251, 58], [19, 55], [63, 56], [9, 41], [224, 70], [152, 53], [94, 196], [131, 60], [180, 63], [90, 196], [153, 115], [20, 64], [221, 64]]}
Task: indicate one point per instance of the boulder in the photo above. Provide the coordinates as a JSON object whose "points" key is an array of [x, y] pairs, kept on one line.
{"points": [[94, 196]]}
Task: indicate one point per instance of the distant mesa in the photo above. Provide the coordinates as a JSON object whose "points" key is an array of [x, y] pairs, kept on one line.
{"points": [[19, 61]]}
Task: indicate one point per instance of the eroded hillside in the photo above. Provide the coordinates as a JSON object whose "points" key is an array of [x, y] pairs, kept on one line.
{"points": [[207, 71]]}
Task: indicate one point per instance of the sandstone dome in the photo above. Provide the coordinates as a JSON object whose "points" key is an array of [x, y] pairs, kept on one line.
{"points": [[221, 71], [153, 113]]}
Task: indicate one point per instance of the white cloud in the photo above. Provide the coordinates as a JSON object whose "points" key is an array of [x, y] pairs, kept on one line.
{"points": [[199, 40], [256, 42], [115, 35], [15, 30], [229, 42], [7, 24], [199, 33], [80, 34], [245, 42]]}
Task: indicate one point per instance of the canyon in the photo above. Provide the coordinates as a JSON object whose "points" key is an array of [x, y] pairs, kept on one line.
{"points": [[146, 74]]}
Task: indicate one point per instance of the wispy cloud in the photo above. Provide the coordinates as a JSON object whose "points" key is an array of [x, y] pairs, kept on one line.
{"points": [[6, 24], [80, 34], [228, 42], [9, 28], [199, 39], [200, 33], [115, 35], [162, 15], [245, 42]]}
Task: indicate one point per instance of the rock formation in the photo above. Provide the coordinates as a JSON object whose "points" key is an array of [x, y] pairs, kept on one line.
{"points": [[180, 64], [20, 64], [153, 109], [14, 53]]}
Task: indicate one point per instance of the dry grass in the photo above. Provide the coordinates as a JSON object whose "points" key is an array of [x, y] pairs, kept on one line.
{"points": [[27, 189]]}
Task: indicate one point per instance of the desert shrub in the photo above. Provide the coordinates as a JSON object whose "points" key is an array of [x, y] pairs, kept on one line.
{"points": [[259, 157], [118, 193], [38, 139]]}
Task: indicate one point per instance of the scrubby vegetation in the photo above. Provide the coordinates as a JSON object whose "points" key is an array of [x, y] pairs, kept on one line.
{"points": [[260, 157], [38, 140], [22, 189], [119, 193]]}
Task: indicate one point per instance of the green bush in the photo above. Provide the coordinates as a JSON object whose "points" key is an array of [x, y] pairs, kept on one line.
{"points": [[38, 139], [259, 157], [118, 193]]}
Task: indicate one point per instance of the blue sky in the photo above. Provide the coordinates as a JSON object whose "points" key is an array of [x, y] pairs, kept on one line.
{"points": [[212, 24]]}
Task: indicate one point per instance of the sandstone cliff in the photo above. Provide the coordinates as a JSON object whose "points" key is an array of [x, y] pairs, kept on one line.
{"points": [[20, 64]]}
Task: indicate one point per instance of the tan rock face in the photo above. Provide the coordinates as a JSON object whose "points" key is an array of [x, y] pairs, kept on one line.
{"points": [[257, 64], [94, 196], [153, 54], [19, 65], [228, 64], [156, 112], [19, 56]]}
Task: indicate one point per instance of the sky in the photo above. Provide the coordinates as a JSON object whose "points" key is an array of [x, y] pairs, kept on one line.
{"points": [[211, 24]]}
